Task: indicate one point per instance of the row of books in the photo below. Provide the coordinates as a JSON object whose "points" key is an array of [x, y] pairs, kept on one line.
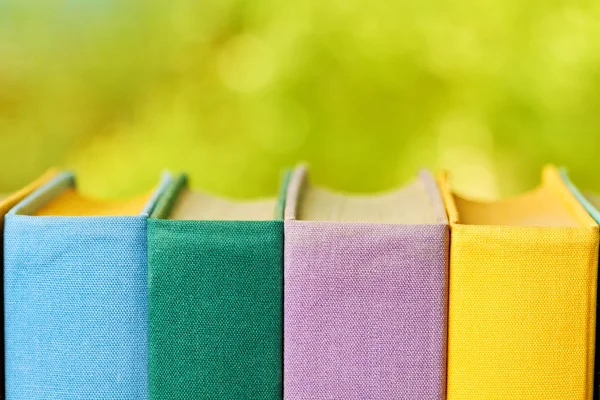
{"points": [[417, 293]]}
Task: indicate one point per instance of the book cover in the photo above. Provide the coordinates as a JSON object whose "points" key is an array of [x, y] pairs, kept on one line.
{"points": [[215, 297], [522, 295], [365, 292], [6, 203], [591, 202], [75, 287]]}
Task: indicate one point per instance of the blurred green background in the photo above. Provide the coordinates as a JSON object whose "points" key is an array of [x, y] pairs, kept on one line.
{"points": [[233, 91]]}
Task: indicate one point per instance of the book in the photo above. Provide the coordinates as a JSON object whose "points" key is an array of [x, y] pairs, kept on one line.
{"points": [[365, 294], [522, 295], [75, 287], [6, 203], [591, 202], [215, 296]]}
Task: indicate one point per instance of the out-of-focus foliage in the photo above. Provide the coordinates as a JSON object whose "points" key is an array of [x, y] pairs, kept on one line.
{"points": [[232, 91]]}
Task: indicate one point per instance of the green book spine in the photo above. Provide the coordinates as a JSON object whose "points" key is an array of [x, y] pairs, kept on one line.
{"points": [[215, 307]]}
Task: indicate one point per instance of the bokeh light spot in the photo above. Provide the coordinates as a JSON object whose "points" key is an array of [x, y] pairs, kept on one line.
{"points": [[246, 64], [465, 145], [281, 128]]}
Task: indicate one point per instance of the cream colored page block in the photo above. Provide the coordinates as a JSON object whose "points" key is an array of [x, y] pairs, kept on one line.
{"points": [[408, 205], [540, 207], [193, 205]]}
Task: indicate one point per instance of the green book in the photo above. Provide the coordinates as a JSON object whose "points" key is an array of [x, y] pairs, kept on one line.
{"points": [[215, 297]]}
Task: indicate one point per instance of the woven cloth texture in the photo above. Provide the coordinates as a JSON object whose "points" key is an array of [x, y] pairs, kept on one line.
{"points": [[215, 309], [522, 306], [75, 304], [364, 305], [5, 206], [215, 306], [365, 311], [588, 203]]}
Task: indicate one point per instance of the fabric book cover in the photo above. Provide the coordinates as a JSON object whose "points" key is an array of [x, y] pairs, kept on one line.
{"points": [[75, 287], [6, 203], [522, 295], [215, 296], [591, 203], [365, 292]]}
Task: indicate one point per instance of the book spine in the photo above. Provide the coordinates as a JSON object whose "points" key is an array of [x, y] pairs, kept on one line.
{"points": [[522, 312], [365, 310], [215, 309], [76, 307]]}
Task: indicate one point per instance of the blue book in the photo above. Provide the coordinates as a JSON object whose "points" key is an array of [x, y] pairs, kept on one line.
{"points": [[75, 287]]}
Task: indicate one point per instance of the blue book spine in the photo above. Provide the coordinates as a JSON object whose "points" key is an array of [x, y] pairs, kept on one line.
{"points": [[76, 311]]}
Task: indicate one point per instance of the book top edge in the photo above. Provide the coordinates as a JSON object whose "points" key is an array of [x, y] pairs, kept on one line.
{"points": [[416, 203]]}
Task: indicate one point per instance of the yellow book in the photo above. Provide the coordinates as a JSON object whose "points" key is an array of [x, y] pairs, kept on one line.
{"points": [[522, 295], [8, 202]]}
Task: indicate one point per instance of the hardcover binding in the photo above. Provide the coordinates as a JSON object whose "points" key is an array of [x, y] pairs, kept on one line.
{"points": [[5, 205], [215, 304], [522, 295], [591, 203], [75, 300], [365, 303]]}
